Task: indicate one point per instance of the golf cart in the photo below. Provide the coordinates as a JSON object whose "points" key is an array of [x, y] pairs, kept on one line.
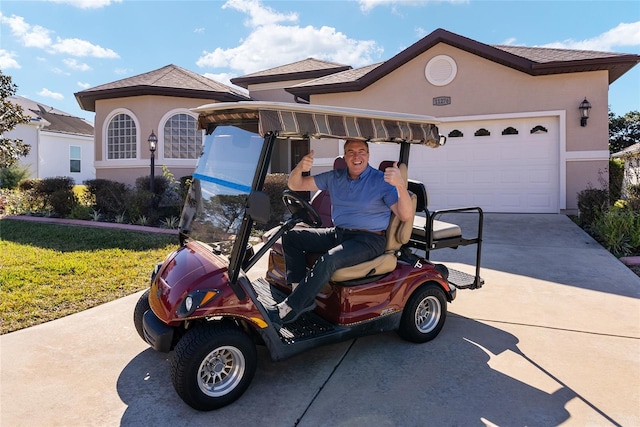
{"points": [[205, 303]]}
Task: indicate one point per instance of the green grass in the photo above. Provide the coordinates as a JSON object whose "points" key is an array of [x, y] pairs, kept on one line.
{"points": [[48, 271]]}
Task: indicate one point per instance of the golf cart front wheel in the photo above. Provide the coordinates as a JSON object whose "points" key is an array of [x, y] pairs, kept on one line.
{"points": [[424, 315], [212, 366]]}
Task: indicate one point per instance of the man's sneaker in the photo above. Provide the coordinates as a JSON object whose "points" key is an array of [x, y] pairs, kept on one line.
{"points": [[293, 315]]}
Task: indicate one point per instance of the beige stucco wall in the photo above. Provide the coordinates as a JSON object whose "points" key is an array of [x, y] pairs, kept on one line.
{"points": [[483, 87], [148, 113]]}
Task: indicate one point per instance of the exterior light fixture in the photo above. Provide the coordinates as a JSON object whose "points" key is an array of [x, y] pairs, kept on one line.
{"points": [[584, 108], [153, 145]]}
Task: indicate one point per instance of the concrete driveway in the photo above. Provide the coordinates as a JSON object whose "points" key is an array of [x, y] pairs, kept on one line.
{"points": [[552, 338]]}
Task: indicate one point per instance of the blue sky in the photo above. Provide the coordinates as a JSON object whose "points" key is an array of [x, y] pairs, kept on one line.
{"points": [[55, 48]]}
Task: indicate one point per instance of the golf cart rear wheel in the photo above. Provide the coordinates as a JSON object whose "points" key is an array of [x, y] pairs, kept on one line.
{"points": [[424, 315], [138, 313], [212, 366]]}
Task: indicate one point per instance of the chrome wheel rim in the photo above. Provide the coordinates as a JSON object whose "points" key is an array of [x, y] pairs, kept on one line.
{"points": [[221, 371], [428, 314]]}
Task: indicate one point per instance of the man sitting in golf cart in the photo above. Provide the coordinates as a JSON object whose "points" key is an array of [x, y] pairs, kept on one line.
{"points": [[362, 201]]}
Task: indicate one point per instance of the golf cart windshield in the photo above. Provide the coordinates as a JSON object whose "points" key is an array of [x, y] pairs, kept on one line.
{"points": [[221, 184]]}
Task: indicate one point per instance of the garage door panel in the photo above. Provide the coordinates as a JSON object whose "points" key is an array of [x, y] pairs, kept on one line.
{"points": [[500, 173]]}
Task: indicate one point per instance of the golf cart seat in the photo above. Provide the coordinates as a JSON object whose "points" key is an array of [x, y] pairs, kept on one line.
{"points": [[398, 233], [440, 230], [321, 200]]}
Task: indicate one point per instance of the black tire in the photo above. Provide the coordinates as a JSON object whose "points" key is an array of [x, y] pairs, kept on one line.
{"points": [[212, 366], [141, 308], [424, 315]]}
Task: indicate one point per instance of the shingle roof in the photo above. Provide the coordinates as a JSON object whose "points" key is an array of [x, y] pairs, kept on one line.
{"points": [[309, 68], [53, 119], [170, 80], [630, 151], [531, 60]]}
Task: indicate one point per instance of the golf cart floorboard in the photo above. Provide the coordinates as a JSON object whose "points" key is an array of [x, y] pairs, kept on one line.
{"points": [[308, 325], [462, 280]]}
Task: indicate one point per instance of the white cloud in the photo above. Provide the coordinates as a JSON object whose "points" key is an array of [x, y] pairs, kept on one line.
{"points": [[75, 65], [7, 60], [40, 37], [77, 47], [29, 35], [83, 85], [625, 34], [258, 13], [49, 94], [368, 5], [87, 4], [270, 44]]}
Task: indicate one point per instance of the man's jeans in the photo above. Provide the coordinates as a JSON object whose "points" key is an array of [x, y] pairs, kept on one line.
{"points": [[340, 248]]}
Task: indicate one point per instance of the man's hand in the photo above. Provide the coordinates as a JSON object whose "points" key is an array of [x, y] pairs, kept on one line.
{"points": [[307, 162], [298, 182], [393, 176]]}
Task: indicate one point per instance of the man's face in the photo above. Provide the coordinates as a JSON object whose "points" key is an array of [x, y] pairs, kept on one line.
{"points": [[356, 154]]}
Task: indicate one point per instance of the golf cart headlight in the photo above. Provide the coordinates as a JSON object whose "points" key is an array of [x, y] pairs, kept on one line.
{"points": [[194, 300]]}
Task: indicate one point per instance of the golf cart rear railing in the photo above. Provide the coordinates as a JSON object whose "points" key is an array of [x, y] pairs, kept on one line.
{"points": [[430, 233]]}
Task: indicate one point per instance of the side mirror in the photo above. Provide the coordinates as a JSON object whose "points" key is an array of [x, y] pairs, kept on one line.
{"points": [[259, 206]]}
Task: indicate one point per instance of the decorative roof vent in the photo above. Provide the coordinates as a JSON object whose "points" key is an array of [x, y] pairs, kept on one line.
{"points": [[441, 70]]}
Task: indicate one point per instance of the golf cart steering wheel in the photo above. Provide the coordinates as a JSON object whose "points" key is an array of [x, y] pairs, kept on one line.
{"points": [[300, 208]]}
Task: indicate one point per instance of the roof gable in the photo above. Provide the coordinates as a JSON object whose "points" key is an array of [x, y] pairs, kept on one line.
{"points": [[533, 61], [170, 80], [309, 68]]}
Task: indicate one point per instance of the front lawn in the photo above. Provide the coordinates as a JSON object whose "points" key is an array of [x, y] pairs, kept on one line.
{"points": [[48, 271]]}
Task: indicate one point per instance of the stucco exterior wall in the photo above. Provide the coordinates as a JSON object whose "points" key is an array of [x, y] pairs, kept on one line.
{"points": [[482, 87], [149, 113]]}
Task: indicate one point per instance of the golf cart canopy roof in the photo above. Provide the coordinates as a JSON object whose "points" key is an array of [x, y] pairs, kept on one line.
{"points": [[301, 121]]}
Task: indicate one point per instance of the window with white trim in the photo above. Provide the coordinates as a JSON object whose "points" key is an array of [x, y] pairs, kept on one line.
{"points": [[121, 138], [182, 139], [75, 157]]}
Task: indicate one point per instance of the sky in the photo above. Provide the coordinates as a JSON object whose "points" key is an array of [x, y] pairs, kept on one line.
{"points": [[53, 49]]}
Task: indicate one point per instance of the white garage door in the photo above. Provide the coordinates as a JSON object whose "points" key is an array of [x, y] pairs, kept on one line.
{"points": [[500, 173]]}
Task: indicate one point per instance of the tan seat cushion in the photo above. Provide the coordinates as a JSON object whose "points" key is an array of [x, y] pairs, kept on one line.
{"points": [[441, 230]]}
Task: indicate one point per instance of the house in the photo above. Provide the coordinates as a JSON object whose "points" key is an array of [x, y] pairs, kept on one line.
{"points": [[631, 158], [516, 140], [128, 111], [61, 144]]}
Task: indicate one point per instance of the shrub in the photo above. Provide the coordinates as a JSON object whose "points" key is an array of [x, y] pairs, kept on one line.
{"points": [[274, 185], [12, 175], [618, 229], [591, 202], [110, 196], [616, 177]]}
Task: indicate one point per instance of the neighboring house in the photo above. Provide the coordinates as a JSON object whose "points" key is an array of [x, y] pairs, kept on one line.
{"points": [[631, 158], [61, 144], [129, 110], [515, 142]]}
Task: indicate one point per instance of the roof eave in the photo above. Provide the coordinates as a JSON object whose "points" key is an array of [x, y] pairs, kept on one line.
{"points": [[87, 100]]}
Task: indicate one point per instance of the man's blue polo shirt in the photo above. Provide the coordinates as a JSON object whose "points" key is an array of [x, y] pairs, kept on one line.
{"points": [[362, 203]]}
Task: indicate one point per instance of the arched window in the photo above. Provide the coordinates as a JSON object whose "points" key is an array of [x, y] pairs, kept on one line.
{"points": [[121, 138], [182, 139], [455, 134]]}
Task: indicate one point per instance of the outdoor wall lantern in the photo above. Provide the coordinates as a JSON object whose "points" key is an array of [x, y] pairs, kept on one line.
{"points": [[153, 145], [584, 108]]}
